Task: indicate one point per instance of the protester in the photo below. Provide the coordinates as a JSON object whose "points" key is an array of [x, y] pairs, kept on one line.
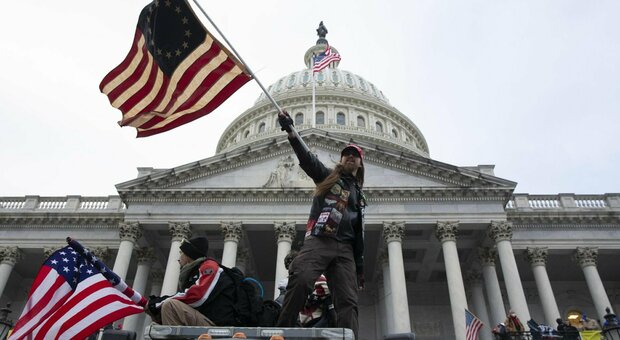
{"points": [[588, 324], [319, 310], [334, 241], [284, 282], [200, 278], [566, 330], [513, 324]]}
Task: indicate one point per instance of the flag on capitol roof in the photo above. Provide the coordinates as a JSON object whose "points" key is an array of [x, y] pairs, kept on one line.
{"points": [[323, 59]]}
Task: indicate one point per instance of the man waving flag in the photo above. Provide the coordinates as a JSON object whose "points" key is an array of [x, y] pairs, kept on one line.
{"points": [[175, 72], [73, 296]]}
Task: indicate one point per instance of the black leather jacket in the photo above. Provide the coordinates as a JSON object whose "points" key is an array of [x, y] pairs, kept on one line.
{"points": [[340, 212]]}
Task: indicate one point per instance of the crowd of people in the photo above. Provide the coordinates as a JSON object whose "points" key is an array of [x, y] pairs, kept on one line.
{"points": [[513, 328]]}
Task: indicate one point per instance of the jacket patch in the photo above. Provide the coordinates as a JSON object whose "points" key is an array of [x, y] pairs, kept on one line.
{"points": [[207, 271], [328, 222]]}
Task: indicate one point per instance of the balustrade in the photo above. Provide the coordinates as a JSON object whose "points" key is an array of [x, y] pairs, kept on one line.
{"points": [[562, 201]]}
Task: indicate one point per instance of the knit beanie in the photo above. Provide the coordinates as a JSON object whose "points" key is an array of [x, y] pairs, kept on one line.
{"points": [[195, 248]]}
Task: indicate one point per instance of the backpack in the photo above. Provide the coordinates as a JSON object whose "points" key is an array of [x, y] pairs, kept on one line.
{"points": [[249, 308]]}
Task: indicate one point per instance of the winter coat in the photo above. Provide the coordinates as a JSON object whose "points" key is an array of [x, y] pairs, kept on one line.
{"points": [[340, 212]]}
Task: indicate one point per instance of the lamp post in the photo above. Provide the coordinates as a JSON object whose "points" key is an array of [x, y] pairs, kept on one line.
{"points": [[5, 323], [611, 326]]}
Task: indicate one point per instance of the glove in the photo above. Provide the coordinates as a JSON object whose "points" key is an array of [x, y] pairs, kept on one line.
{"points": [[151, 305], [286, 122], [360, 280]]}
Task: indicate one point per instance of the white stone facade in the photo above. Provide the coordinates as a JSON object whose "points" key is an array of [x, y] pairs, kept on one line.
{"points": [[252, 200]]}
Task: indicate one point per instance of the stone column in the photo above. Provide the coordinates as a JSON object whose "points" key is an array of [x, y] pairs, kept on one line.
{"points": [[179, 231], [129, 232], [501, 233], [393, 233], [156, 281], [145, 259], [232, 232], [491, 283], [8, 258], [586, 257], [446, 233], [387, 293], [242, 259], [474, 280], [538, 260], [285, 234]]}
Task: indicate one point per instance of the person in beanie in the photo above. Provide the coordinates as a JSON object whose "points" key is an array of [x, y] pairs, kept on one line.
{"points": [[199, 279], [334, 240]]}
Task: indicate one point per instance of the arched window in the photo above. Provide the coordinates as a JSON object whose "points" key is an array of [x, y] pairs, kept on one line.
{"points": [[291, 81], [394, 133], [299, 118], [349, 80], [261, 128], [340, 118], [320, 117], [335, 77], [246, 133], [379, 127], [361, 122]]}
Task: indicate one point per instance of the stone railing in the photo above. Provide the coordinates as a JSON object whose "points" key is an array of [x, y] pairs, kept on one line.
{"points": [[563, 202], [58, 204]]}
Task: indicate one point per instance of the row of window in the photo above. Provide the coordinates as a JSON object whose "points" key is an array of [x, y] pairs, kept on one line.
{"points": [[320, 119], [321, 77]]}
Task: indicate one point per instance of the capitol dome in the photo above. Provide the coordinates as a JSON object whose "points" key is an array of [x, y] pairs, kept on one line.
{"points": [[345, 103]]}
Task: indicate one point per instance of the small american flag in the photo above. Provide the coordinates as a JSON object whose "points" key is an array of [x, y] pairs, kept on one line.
{"points": [[175, 72], [472, 326], [71, 299], [325, 58]]}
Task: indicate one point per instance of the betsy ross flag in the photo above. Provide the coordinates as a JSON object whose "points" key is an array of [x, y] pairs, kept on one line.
{"points": [[472, 326], [71, 299], [175, 72], [325, 58]]}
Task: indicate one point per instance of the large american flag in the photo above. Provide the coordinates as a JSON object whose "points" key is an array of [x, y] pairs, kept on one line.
{"points": [[71, 299], [472, 326], [175, 72], [324, 58]]}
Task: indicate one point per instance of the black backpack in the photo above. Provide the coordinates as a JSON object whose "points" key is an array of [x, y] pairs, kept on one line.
{"points": [[249, 308]]}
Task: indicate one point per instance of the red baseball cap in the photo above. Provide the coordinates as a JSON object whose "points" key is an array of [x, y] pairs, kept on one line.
{"points": [[354, 147]]}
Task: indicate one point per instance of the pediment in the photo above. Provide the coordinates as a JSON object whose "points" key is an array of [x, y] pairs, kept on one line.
{"points": [[272, 165]]}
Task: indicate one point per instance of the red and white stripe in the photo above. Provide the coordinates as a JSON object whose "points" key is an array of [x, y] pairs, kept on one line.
{"points": [[473, 329], [153, 102], [49, 291], [329, 58], [94, 304]]}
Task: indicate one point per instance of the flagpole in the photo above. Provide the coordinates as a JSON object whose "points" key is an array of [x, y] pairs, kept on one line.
{"points": [[249, 70], [313, 95]]}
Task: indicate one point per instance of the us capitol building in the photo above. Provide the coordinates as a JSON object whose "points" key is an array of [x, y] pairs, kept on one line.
{"points": [[440, 238]]}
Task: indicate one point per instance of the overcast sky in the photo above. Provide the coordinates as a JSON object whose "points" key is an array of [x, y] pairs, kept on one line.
{"points": [[530, 86]]}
